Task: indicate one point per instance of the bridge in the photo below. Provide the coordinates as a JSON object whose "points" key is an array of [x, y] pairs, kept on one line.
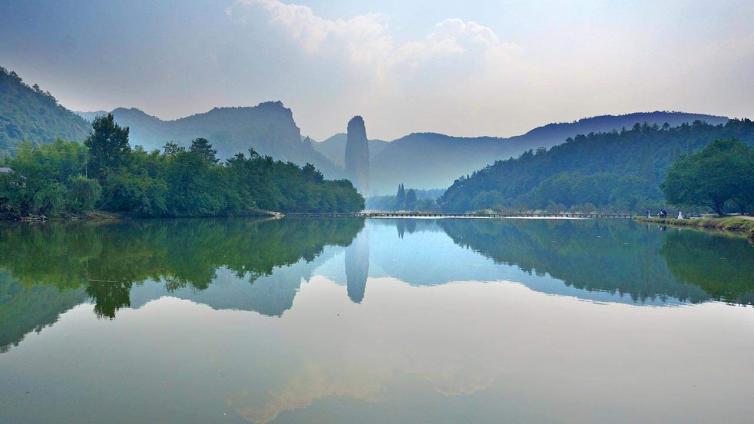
{"points": [[439, 215]]}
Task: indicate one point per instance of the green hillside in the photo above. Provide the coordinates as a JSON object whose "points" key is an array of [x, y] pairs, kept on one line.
{"points": [[30, 114], [613, 170]]}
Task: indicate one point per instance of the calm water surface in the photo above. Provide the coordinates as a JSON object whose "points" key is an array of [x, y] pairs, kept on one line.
{"points": [[419, 321]]}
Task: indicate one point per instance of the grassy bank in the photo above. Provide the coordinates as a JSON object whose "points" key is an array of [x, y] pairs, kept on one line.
{"points": [[737, 224]]}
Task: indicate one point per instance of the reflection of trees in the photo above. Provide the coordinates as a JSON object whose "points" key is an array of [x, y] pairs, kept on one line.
{"points": [[106, 259], [610, 256], [109, 296], [405, 226], [722, 266]]}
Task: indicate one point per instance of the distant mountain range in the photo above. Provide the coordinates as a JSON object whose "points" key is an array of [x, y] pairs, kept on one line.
{"points": [[430, 160], [268, 127], [418, 160]]}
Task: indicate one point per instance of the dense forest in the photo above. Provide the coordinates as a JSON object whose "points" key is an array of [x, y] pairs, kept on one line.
{"points": [[719, 177], [30, 114], [106, 173], [618, 170], [444, 158]]}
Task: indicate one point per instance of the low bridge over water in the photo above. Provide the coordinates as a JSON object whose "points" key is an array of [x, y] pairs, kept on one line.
{"points": [[406, 214]]}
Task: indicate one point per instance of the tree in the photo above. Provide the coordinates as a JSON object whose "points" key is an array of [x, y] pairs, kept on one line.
{"points": [[720, 173], [83, 193], [108, 147], [203, 148], [400, 197], [411, 199]]}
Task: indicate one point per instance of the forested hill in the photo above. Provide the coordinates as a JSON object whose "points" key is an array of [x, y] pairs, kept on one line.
{"points": [[30, 114], [268, 127], [618, 170], [431, 160]]}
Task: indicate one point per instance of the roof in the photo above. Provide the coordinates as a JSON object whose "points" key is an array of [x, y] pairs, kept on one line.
{"points": [[5, 170]]}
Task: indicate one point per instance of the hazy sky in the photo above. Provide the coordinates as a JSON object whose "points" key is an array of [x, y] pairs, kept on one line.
{"points": [[461, 67]]}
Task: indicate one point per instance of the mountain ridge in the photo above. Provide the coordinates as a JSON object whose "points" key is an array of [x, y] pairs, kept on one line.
{"points": [[29, 114], [268, 128], [459, 156]]}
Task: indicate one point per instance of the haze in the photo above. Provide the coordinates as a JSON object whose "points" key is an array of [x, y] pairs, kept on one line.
{"points": [[470, 68]]}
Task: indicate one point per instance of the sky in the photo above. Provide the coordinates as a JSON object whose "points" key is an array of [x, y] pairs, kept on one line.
{"points": [[465, 68]]}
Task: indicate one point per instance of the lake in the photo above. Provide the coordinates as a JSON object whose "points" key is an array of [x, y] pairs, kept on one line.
{"points": [[378, 320]]}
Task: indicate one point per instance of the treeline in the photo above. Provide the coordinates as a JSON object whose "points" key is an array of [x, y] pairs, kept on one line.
{"points": [[106, 173], [406, 200], [618, 171]]}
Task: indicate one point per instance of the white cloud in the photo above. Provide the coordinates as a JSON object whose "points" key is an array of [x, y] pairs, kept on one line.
{"points": [[366, 38]]}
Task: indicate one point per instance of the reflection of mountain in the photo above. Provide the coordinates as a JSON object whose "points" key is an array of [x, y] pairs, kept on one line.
{"points": [[613, 257], [25, 309], [263, 262], [269, 295], [357, 266]]}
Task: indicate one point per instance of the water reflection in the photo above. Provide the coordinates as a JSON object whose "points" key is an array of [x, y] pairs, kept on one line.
{"points": [[259, 266], [242, 264], [357, 266]]}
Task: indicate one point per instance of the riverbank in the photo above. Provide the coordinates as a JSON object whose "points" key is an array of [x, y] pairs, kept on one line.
{"points": [[99, 215], [734, 224]]}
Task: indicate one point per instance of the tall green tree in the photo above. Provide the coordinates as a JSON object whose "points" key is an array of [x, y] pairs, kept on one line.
{"points": [[203, 149], [718, 174], [108, 147]]}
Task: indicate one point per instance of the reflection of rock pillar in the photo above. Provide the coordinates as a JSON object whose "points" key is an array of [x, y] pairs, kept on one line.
{"points": [[357, 155], [357, 266]]}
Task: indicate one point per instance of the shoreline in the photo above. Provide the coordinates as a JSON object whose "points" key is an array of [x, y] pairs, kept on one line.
{"points": [[739, 225], [105, 216]]}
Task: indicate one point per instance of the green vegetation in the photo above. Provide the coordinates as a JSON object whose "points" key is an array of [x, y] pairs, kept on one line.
{"points": [[30, 114], [66, 177], [615, 171], [444, 158], [720, 174], [737, 224], [406, 200]]}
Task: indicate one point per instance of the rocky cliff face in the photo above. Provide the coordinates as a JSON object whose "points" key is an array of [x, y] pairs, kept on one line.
{"points": [[357, 155]]}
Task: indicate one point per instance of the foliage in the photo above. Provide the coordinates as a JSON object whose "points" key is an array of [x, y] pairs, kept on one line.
{"points": [[108, 147], [30, 114], [178, 182], [720, 173], [48, 180], [609, 171]]}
